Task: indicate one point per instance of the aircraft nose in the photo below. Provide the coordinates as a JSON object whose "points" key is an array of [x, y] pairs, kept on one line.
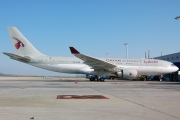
{"points": [[171, 69], [176, 68]]}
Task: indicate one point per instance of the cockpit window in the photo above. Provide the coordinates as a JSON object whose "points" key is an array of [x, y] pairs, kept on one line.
{"points": [[172, 65]]}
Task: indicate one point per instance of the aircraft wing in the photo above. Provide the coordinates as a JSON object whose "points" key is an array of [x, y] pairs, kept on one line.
{"points": [[17, 57], [95, 63]]}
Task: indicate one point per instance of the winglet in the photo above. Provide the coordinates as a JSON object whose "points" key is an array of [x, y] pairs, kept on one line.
{"points": [[73, 50]]}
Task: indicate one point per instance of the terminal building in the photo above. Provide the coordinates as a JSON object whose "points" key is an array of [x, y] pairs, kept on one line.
{"points": [[174, 58]]}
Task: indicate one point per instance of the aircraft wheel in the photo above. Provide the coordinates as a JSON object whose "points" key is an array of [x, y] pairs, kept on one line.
{"points": [[96, 79], [102, 79]]}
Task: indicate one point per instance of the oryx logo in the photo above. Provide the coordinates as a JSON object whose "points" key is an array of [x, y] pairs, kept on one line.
{"points": [[19, 43]]}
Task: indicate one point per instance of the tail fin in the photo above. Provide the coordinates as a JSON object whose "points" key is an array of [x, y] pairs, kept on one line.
{"points": [[21, 45]]}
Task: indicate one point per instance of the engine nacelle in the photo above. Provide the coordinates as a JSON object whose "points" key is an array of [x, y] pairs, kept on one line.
{"points": [[128, 74], [119, 74]]}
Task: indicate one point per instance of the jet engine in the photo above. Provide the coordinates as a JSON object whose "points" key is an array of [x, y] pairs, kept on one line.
{"points": [[128, 74]]}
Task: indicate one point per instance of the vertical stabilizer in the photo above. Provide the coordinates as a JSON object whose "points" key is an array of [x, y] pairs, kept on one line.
{"points": [[21, 45]]}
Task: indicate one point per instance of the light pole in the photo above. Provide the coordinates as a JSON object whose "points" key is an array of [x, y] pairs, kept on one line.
{"points": [[126, 49], [148, 54], [107, 54]]}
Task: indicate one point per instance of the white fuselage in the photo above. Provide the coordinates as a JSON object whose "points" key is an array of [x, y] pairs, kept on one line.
{"points": [[25, 52], [74, 65]]}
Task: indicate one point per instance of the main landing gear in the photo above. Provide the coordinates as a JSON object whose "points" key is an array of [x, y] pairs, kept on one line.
{"points": [[96, 78]]}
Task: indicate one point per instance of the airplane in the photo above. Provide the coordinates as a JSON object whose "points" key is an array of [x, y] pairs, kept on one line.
{"points": [[25, 52]]}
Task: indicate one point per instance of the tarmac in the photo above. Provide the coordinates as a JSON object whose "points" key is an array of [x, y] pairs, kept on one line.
{"points": [[28, 98]]}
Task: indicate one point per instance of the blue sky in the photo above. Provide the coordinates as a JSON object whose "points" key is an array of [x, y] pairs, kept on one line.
{"points": [[94, 27]]}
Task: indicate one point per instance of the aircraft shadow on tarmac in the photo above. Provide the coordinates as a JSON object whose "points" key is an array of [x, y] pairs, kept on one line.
{"points": [[165, 83], [44, 80], [62, 80]]}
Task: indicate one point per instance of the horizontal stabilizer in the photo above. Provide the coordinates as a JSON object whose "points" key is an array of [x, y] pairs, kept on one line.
{"points": [[17, 57], [74, 51]]}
